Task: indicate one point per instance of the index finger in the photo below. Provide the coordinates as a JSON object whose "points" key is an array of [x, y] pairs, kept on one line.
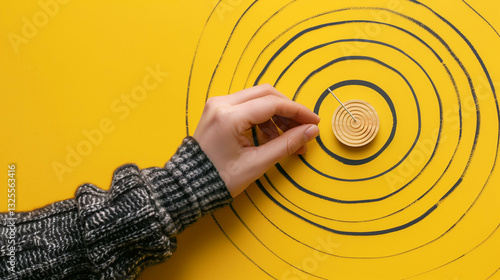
{"points": [[259, 110]]}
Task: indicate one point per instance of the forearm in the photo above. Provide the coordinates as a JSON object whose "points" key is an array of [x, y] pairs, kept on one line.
{"points": [[116, 233]]}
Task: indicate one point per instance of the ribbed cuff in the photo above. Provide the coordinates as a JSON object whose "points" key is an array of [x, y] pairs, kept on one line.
{"points": [[121, 231], [188, 188]]}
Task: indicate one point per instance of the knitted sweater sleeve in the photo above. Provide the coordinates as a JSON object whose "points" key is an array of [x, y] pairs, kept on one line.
{"points": [[114, 234]]}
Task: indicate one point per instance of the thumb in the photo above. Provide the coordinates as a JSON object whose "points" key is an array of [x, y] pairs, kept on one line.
{"points": [[286, 144]]}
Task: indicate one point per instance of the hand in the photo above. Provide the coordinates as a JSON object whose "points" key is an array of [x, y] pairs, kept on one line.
{"points": [[226, 119]]}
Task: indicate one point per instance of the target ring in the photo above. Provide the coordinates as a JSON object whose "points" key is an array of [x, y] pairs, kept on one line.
{"points": [[358, 132], [387, 201]]}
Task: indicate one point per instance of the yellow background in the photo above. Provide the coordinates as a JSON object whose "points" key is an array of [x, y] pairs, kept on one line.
{"points": [[64, 81]]}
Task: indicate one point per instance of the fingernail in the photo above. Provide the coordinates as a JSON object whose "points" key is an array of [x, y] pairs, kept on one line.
{"points": [[311, 132]]}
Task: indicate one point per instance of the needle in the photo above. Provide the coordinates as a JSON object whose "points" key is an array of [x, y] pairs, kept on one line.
{"points": [[342, 104]]}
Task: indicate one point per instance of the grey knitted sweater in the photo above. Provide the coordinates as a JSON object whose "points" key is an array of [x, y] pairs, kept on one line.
{"points": [[115, 234]]}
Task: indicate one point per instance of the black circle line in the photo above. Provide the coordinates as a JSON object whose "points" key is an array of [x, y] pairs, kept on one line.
{"points": [[226, 45], [278, 166], [253, 36], [305, 210], [237, 247], [347, 257], [482, 17], [344, 232], [491, 84], [494, 272], [261, 242], [461, 256], [485, 70], [356, 40], [313, 28], [192, 66], [387, 99], [187, 127], [359, 233]]}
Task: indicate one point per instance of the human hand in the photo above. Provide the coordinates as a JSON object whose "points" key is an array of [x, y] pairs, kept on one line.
{"points": [[226, 119]]}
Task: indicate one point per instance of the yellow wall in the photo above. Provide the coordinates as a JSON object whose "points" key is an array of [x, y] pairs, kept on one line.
{"points": [[89, 85]]}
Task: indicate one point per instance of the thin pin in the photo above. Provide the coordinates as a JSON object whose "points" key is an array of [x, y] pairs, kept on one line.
{"points": [[342, 104]]}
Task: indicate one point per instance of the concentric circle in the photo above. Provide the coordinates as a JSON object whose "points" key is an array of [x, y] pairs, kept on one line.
{"points": [[417, 201], [359, 129]]}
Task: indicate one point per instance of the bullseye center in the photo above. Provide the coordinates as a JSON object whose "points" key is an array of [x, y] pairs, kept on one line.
{"points": [[359, 132], [355, 124]]}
